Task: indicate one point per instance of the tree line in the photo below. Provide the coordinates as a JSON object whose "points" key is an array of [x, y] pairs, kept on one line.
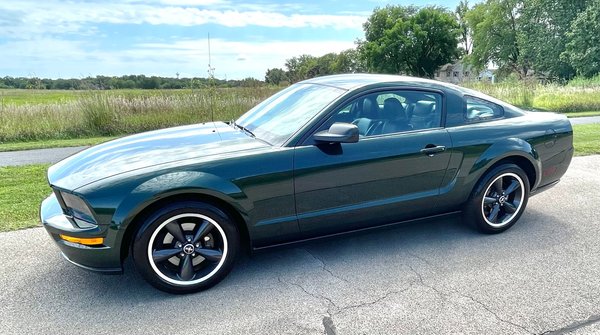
{"points": [[545, 39], [122, 82]]}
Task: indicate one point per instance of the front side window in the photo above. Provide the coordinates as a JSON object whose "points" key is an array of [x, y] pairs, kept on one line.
{"points": [[276, 119], [389, 112]]}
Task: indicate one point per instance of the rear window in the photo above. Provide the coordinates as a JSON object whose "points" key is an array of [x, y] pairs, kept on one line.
{"points": [[479, 110]]}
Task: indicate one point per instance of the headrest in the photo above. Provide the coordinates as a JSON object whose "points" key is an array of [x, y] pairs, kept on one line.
{"points": [[423, 108]]}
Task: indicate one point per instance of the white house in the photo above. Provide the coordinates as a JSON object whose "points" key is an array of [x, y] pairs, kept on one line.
{"points": [[458, 72]]}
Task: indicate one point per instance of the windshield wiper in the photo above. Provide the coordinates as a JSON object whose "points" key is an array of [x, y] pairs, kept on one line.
{"points": [[244, 129]]}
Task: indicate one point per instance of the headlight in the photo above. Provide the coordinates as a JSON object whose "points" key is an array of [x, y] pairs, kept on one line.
{"points": [[79, 210]]}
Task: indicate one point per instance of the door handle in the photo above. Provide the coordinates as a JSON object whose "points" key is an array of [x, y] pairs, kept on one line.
{"points": [[431, 149]]}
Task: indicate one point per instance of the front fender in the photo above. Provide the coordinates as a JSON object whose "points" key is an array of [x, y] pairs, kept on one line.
{"points": [[175, 183]]}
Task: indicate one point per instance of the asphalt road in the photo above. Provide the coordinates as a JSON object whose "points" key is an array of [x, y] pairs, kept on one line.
{"points": [[585, 120], [436, 277], [37, 156]]}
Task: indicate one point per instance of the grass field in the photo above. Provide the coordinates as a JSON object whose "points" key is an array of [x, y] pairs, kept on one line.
{"points": [[48, 117], [586, 139], [551, 97], [116, 112], [23, 189]]}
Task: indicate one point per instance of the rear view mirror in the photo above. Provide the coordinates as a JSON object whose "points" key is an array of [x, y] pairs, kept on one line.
{"points": [[339, 132]]}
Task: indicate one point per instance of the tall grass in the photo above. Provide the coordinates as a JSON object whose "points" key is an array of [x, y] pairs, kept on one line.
{"points": [[579, 95], [107, 113], [76, 114]]}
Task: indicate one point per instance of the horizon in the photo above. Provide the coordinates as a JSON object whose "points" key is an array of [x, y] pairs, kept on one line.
{"points": [[169, 38]]}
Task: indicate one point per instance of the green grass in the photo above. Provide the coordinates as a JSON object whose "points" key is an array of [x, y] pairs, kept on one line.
{"points": [[586, 139], [22, 189], [26, 97], [75, 142]]}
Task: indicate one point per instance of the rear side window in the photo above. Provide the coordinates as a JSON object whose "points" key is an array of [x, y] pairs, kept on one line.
{"points": [[479, 110]]}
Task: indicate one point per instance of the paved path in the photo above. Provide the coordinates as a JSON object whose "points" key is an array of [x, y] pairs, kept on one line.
{"points": [[37, 156], [585, 120], [437, 277]]}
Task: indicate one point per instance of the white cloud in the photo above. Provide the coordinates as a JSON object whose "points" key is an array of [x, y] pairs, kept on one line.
{"points": [[55, 16], [195, 3], [54, 38]]}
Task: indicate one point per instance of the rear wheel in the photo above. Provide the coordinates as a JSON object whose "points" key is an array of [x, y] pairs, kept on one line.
{"points": [[499, 199], [186, 247]]}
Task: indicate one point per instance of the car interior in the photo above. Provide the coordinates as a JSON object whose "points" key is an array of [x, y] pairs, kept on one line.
{"points": [[392, 112]]}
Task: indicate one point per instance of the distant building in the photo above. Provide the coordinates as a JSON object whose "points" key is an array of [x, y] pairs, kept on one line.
{"points": [[458, 72]]}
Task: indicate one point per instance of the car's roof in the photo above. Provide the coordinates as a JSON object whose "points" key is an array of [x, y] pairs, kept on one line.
{"points": [[357, 80]]}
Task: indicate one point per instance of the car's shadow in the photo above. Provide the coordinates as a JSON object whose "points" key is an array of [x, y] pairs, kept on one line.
{"points": [[434, 241]]}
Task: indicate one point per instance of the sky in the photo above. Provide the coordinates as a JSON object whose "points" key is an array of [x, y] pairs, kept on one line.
{"points": [[80, 38]]}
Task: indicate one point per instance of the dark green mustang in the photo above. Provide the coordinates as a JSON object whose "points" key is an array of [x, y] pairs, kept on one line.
{"points": [[325, 156]]}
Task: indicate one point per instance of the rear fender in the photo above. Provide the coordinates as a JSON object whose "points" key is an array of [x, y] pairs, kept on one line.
{"points": [[503, 149]]}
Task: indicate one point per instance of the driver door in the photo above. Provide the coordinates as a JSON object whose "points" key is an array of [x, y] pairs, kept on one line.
{"points": [[387, 176]]}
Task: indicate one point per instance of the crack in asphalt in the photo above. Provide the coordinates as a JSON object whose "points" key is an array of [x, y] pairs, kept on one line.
{"points": [[332, 309], [574, 326], [374, 302], [484, 306], [421, 259], [444, 296], [324, 267], [328, 323], [316, 296]]}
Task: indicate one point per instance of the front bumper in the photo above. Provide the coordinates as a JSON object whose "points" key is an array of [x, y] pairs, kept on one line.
{"points": [[105, 258]]}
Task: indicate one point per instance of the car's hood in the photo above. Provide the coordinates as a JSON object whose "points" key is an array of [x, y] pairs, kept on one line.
{"points": [[149, 149]]}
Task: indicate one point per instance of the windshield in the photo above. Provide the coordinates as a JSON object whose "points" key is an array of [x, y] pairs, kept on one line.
{"points": [[276, 119]]}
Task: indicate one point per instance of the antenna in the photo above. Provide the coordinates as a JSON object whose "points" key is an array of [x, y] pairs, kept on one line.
{"points": [[211, 79], [210, 69]]}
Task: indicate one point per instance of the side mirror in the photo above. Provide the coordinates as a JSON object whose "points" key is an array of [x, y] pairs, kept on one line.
{"points": [[339, 132]]}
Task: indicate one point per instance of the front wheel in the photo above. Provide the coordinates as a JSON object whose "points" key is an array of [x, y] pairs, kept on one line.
{"points": [[498, 201], [186, 247]]}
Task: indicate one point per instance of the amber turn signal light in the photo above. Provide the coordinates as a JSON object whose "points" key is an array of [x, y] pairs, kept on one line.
{"points": [[83, 240]]}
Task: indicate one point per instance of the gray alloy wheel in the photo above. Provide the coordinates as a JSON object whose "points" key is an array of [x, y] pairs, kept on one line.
{"points": [[186, 247], [498, 200], [503, 199]]}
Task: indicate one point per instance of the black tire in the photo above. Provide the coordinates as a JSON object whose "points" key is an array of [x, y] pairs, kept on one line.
{"points": [[498, 200], [186, 247]]}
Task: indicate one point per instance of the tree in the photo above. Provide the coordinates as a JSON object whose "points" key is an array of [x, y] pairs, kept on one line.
{"points": [[583, 47], [465, 29], [275, 76], [299, 67], [409, 40], [496, 27], [543, 38], [349, 61]]}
